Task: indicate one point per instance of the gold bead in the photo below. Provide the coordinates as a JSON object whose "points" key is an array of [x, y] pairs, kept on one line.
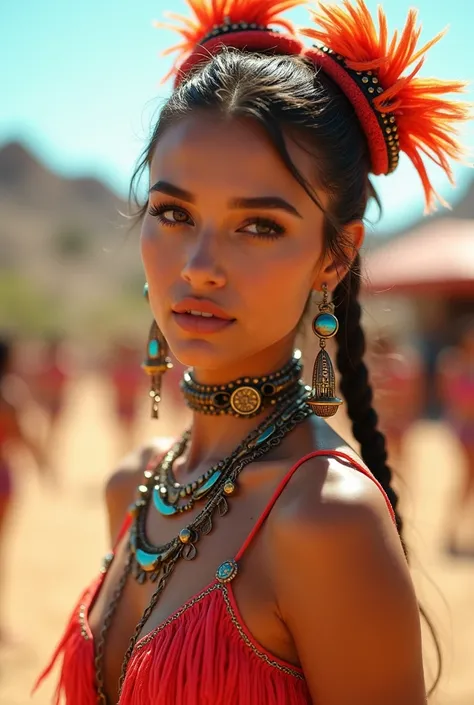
{"points": [[229, 487], [184, 535]]}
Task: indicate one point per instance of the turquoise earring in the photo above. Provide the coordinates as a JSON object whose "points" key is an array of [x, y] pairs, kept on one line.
{"points": [[323, 398], [156, 362]]}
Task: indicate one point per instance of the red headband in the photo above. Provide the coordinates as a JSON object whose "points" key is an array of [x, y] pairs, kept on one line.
{"points": [[397, 113], [241, 24]]}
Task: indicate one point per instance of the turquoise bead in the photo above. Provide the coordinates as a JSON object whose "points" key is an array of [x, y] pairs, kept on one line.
{"points": [[161, 506], [153, 348], [227, 571], [265, 435], [201, 491], [145, 290], [147, 561], [325, 325]]}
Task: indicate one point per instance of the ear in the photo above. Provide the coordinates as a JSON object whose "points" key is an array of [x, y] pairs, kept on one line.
{"points": [[332, 271]]}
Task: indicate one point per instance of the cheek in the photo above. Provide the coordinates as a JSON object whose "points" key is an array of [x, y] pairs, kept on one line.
{"points": [[161, 268], [157, 254], [279, 290]]}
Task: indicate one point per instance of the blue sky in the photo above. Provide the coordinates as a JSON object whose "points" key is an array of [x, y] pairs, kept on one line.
{"points": [[80, 82]]}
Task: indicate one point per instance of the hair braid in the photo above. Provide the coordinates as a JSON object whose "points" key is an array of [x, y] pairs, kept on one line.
{"points": [[355, 384], [357, 391]]}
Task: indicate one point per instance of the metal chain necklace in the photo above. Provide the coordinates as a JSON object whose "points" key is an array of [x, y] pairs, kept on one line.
{"points": [[149, 558], [167, 492], [278, 426]]}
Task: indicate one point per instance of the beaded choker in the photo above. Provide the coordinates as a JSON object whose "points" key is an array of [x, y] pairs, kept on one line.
{"points": [[244, 397]]}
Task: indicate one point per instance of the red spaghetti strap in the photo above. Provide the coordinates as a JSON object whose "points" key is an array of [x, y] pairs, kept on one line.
{"points": [[123, 530], [289, 475]]}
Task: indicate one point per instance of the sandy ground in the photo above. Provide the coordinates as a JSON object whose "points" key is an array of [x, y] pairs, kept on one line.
{"points": [[58, 537]]}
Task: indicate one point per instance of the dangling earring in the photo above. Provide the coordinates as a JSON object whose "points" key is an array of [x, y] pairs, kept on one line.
{"points": [[323, 398], [156, 362]]}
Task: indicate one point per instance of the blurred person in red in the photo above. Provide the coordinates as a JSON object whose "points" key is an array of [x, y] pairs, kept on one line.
{"points": [[128, 383], [399, 387], [456, 386], [14, 398], [48, 383]]}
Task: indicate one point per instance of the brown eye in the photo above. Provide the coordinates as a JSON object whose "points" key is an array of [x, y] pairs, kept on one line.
{"points": [[264, 228], [169, 215], [179, 216]]}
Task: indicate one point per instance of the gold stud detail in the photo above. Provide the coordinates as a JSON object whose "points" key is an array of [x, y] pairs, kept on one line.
{"points": [[229, 487], [185, 535]]}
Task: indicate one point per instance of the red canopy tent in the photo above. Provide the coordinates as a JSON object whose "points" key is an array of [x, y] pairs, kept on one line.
{"points": [[436, 258]]}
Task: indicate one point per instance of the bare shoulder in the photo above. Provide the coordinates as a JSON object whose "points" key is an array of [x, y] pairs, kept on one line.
{"points": [[329, 494], [337, 517], [121, 485], [336, 549]]}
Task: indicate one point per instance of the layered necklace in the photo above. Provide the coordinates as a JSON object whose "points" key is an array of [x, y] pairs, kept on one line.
{"points": [[160, 490]]}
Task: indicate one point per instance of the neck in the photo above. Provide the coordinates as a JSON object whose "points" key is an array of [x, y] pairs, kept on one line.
{"points": [[215, 437]]}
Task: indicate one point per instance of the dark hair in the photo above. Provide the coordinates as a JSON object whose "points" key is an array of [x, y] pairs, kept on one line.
{"points": [[288, 97]]}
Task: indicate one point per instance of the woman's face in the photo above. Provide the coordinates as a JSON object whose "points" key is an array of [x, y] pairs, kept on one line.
{"points": [[229, 232]]}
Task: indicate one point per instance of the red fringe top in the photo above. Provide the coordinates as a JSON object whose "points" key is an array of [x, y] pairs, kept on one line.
{"points": [[203, 654]]}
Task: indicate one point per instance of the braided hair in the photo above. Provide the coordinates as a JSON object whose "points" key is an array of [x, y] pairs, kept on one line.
{"points": [[357, 391], [355, 383]]}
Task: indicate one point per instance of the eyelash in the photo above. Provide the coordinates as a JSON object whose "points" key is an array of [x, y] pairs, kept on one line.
{"points": [[159, 210]]}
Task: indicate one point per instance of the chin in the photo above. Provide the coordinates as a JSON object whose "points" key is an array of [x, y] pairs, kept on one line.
{"points": [[206, 354], [199, 353]]}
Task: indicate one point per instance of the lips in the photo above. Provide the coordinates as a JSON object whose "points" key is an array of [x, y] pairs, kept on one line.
{"points": [[201, 307], [201, 316]]}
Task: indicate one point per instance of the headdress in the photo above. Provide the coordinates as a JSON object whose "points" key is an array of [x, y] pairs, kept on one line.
{"points": [[241, 24], [398, 113]]}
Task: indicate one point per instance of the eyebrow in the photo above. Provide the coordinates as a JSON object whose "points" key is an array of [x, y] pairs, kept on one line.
{"points": [[264, 202]]}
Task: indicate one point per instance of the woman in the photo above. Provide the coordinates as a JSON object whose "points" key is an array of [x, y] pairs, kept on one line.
{"points": [[258, 183], [49, 383], [127, 383], [397, 375], [13, 397], [456, 373]]}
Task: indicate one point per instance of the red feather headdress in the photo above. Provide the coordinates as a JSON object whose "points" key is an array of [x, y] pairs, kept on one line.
{"points": [[398, 112], [242, 24]]}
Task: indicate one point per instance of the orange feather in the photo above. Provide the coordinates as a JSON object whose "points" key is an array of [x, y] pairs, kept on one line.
{"points": [[214, 13], [427, 120]]}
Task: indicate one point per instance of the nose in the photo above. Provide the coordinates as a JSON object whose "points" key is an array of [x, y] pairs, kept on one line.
{"points": [[202, 269]]}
